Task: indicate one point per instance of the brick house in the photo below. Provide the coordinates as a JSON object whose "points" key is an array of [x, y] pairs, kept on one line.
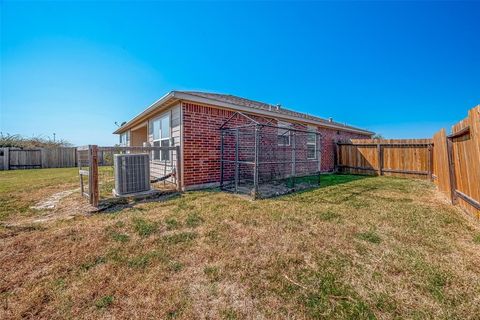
{"points": [[192, 120]]}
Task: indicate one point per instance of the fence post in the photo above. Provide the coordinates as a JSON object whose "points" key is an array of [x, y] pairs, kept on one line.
{"points": [[42, 158], [93, 174], [338, 154], [6, 159], [380, 158], [293, 159], [255, 166], [236, 160], [79, 164], [451, 171], [178, 169], [221, 158], [319, 154], [430, 162]]}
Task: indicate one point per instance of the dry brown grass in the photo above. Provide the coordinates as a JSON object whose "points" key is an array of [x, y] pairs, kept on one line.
{"points": [[355, 248]]}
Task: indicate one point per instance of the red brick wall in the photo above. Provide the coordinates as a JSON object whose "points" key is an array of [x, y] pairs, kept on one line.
{"points": [[201, 142]]}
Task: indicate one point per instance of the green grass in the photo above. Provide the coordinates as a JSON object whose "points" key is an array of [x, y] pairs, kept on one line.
{"points": [[476, 239], [355, 247], [370, 236], [20, 189], [104, 302], [144, 227]]}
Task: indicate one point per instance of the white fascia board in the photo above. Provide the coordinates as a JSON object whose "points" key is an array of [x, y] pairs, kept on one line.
{"points": [[151, 108]]}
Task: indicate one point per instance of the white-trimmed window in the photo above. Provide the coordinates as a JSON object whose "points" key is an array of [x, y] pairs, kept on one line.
{"points": [[125, 139], [312, 143], [283, 133], [160, 130]]}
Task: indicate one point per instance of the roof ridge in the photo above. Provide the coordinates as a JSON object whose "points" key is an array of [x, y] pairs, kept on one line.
{"points": [[255, 104]]}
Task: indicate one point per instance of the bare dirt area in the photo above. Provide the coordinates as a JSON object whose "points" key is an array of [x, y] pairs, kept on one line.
{"points": [[353, 248]]}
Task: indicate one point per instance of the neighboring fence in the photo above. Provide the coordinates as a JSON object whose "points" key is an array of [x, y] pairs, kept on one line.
{"points": [[393, 157], [32, 158], [457, 162]]}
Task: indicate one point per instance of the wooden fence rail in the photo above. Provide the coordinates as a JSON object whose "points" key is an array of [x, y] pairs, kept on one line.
{"points": [[32, 158], [394, 157]]}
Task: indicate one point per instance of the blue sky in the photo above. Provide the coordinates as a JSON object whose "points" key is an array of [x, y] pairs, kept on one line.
{"points": [[401, 69]]}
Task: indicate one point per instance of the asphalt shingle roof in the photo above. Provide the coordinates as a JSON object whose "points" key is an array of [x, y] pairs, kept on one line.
{"points": [[228, 98]]}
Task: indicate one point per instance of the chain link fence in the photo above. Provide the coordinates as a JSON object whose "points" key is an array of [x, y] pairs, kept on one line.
{"points": [[264, 160]]}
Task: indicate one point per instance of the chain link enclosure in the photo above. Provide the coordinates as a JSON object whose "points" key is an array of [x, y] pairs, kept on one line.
{"points": [[264, 160]]}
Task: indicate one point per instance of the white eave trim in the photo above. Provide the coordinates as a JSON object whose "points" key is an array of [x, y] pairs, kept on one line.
{"points": [[145, 112]]}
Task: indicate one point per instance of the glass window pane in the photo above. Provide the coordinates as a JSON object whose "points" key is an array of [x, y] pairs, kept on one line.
{"points": [[311, 138], [156, 129], [165, 154], [156, 153], [165, 127], [284, 140], [311, 152]]}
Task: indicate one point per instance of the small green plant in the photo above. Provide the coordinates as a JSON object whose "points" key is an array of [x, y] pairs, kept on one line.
{"points": [[143, 227], [175, 266], [104, 302], [370, 236], [212, 273], [139, 262], [119, 237], [193, 220], [181, 237], [229, 314], [328, 215], [172, 223], [476, 239], [89, 265], [436, 284]]}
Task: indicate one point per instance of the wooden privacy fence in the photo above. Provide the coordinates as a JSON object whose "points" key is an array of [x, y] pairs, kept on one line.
{"points": [[32, 158], [394, 157], [457, 162]]}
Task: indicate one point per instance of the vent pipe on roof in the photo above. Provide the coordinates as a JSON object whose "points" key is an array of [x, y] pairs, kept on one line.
{"points": [[278, 106], [330, 119]]}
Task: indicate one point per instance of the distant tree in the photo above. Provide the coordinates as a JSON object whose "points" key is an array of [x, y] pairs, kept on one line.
{"points": [[377, 136], [18, 141]]}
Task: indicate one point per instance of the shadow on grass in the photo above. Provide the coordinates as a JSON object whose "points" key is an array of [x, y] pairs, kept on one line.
{"points": [[116, 205], [333, 179], [326, 180]]}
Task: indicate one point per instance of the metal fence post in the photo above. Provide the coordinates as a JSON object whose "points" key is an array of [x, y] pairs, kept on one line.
{"points": [[221, 158], [255, 165], [293, 159], [236, 160], [319, 151], [178, 169]]}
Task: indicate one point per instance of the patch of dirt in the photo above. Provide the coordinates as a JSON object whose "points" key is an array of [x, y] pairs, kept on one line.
{"points": [[63, 205], [50, 202]]}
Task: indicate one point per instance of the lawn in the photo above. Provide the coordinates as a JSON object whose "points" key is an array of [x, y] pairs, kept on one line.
{"points": [[354, 248]]}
